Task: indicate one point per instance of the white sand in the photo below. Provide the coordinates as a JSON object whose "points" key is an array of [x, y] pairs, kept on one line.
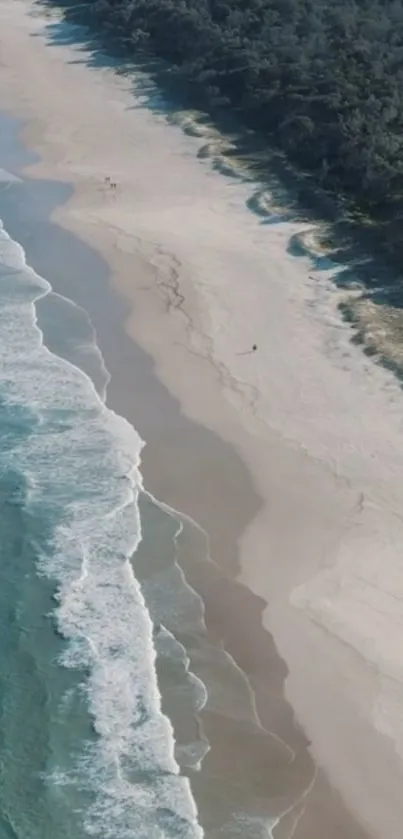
{"points": [[318, 423]]}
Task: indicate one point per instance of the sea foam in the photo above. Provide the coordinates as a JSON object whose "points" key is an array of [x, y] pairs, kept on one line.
{"points": [[81, 464]]}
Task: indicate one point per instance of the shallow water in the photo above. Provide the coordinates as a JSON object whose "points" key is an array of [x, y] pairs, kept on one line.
{"points": [[86, 747]]}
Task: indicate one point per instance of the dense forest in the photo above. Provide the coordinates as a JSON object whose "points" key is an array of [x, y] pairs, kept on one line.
{"points": [[322, 80]]}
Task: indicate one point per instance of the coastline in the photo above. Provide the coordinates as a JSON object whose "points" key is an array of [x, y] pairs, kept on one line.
{"points": [[171, 330], [230, 734]]}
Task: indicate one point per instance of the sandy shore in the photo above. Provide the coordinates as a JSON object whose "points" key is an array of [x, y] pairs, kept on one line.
{"points": [[313, 501]]}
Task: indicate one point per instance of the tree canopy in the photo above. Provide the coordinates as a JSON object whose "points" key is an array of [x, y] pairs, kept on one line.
{"points": [[322, 80]]}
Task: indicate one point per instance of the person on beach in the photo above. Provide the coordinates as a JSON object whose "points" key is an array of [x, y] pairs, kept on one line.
{"points": [[248, 352]]}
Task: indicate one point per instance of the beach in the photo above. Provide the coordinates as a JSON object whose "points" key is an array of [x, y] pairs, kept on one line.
{"points": [[282, 466]]}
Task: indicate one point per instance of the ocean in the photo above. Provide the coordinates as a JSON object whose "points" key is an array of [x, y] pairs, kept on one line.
{"points": [[86, 747]]}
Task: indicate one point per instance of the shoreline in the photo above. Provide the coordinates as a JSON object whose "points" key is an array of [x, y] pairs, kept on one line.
{"points": [[222, 597], [224, 600], [175, 358]]}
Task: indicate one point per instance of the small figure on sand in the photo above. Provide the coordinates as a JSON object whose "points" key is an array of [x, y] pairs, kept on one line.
{"points": [[110, 183], [248, 352]]}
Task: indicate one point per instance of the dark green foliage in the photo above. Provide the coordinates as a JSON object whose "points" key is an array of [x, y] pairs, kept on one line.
{"points": [[323, 80]]}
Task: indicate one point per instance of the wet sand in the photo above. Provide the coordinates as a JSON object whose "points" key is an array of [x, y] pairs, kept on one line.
{"points": [[211, 455]]}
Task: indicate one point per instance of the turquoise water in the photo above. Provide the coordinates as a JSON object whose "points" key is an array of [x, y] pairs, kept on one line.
{"points": [[85, 747]]}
